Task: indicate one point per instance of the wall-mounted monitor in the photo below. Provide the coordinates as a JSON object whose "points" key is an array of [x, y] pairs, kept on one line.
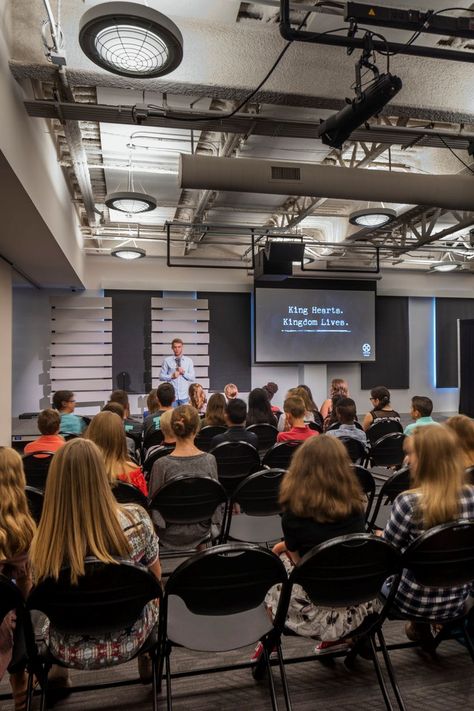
{"points": [[312, 321]]}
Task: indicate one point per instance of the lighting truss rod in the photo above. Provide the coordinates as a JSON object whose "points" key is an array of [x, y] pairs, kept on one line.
{"points": [[288, 33]]}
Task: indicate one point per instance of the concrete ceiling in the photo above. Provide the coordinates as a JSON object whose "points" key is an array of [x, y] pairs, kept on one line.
{"points": [[228, 48]]}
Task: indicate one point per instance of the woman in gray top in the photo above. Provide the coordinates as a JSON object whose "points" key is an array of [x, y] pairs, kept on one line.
{"points": [[186, 459]]}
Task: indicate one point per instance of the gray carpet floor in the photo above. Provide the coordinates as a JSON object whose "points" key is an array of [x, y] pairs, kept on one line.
{"points": [[443, 684]]}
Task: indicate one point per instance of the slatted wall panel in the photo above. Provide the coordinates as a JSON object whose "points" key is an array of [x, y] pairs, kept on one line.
{"points": [[184, 318], [81, 347]]}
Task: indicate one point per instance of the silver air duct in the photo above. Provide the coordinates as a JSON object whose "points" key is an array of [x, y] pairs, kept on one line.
{"points": [[453, 192]]}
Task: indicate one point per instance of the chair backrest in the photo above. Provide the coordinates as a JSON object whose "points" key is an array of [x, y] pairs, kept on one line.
{"points": [[279, 456], [35, 498], [126, 493], [391, 488], [10, 597], [226, 579], [443, 556], [36, 466], [152, 438], [355, 448], [266, 434], [69, 435], [205, 435], [388, 450], [153, 455], [257, 496], [367, 483], [108, 597], [235, 461], [188, 499], [346, 570], [381, 428]]}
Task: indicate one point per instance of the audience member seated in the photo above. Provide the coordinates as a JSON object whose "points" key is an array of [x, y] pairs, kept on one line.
{"points": [[152, 404], [169, 440], [463, 426], [80, 518], [16, 532], [117, 409], [165, 397], [270, 390], [65, 403], [438, 495], [339, 388], [259, 410], [346, 415], [331, 418], [49, 424], [309, 414], [197, 397], [421, 409], [231, 391], [311, 406], [186, 460], [321, 499], [381, 408], [235, 416], [215, 412], [294, 409], [106, 431], [131, 426]]}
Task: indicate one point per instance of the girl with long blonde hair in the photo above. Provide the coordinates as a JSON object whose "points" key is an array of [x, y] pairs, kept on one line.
{"points": [[106, 431], [321, 498], [82, 518], [439, 495], [197, 397], [338, 388], [16, 532], [463, 427]]}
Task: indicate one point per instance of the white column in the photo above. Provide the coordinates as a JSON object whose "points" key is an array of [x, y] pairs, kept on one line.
{"points": [[5, 354]]}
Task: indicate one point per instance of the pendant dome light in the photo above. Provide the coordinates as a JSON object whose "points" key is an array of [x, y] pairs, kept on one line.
{"points": [[130, 201], [130, 39], [129, 253], [372, 217]]}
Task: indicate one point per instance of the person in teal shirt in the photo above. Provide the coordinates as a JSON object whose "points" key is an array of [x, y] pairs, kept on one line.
{"points": [[64, 402], [421, 409]]}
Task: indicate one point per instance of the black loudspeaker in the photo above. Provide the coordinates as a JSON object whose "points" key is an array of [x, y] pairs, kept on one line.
{"points": [[275, 261]]}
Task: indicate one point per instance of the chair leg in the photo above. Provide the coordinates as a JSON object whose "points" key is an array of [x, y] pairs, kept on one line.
{"points": [[380, 679], [284, 680], [391, 671], [468, 639], [169, 700], [154, 679], [44, 685], [29, 690], [271, 682]]}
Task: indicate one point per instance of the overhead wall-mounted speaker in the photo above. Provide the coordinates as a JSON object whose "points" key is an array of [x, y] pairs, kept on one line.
{"points": [[276, 260]]}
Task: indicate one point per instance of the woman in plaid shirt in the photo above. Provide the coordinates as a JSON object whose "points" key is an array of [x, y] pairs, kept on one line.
{"points": [[439, 495]]}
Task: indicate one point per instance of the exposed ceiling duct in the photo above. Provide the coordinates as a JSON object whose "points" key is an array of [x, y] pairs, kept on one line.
{"points": [[455, 192]]}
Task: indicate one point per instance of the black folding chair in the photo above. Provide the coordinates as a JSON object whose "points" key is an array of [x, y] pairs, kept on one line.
{"points": [[214, 602], [186, 500], [126, 493], [235, 461], [254, 510], [470, 475], [443, 557], [266, 434], [153, 454], [279, 456], [381, 428], [36, 467], [355, 449], [315, 426], [388, 450], [345, 572], [151, 439], [205, 435], [367, 483], [108, 598], [35, 498], [391, 488]]}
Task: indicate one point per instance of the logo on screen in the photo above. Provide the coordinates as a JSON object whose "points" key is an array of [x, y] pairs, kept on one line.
{"points": [[366, 350]]}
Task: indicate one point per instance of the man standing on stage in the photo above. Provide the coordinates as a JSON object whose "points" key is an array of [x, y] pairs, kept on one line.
{"points": [[178, 369]]}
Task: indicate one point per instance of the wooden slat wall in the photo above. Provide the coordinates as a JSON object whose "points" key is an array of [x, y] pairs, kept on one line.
{"points": [[184, 318], [81, 347]]}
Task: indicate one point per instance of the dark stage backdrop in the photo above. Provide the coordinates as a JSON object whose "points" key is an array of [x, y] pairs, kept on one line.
{"points": [[448, 311], [392, 346]]}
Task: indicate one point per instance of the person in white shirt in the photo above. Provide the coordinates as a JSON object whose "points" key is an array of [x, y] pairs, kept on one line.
{"points": [[178, 370]]}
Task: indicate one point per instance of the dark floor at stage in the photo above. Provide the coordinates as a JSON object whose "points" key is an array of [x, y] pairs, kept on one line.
{"points": [[444, 684]]}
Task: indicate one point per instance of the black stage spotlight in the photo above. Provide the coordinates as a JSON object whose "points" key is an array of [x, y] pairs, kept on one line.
{"points": [[337, 128]]}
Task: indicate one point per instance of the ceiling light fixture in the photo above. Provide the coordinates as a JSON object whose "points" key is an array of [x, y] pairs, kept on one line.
{"points": [[372, 217], [128, 253], [131, 202], [130, 40]]}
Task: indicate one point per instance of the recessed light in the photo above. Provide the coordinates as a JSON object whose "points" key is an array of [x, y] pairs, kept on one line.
{"points": [[128, 253], [131, 202], [130, 39], [372, 217]]}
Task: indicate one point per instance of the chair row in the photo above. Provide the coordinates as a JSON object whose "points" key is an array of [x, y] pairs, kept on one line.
{"points": [[215, 601]]}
